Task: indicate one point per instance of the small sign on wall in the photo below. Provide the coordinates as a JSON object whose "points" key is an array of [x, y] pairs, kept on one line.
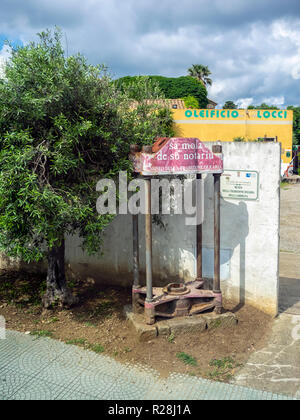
{"points": [[239, 184]]}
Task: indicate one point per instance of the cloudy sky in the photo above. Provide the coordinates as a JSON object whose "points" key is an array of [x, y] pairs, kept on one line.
{"points": [[251, 47]]}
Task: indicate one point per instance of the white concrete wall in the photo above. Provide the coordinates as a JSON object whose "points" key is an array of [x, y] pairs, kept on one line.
{"points": [[249, 238]]}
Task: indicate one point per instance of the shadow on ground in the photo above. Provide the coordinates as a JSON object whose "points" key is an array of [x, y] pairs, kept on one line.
{"points": [[289, 295]]}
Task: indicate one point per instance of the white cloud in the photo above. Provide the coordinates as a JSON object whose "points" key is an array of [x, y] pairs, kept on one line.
{"points": [[244, 102], [274, 100], [283, 31]]}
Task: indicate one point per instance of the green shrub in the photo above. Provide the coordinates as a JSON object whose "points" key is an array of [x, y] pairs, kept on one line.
{"points": [[191, 102], [173, 87]]}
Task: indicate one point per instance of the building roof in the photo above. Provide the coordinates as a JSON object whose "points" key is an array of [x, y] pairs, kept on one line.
{"points": [[168, 103], [173, 103], [212, 102]]}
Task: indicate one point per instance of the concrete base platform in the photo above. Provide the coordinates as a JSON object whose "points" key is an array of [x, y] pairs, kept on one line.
{"points": [[191, 324]]}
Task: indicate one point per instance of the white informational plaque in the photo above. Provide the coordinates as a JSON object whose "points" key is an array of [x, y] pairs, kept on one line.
{"points": [[239, 184]]}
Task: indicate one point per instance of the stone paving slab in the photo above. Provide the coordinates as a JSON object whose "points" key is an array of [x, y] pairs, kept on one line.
{"points": [[46, 369], [11, 381]]}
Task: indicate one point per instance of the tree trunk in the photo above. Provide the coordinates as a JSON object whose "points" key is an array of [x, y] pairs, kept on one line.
{"points": [[57, 290]]}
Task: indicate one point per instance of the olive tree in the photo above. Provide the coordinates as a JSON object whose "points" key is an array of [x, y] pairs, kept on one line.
{"points": [[63, 126]]}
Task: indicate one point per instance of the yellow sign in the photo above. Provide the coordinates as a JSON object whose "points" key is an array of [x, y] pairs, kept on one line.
{"points": [[228, 124]]}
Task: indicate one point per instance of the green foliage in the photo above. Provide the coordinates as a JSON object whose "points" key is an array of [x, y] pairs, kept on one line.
{"points": [[145, 120], [262, 106], [63, 127], [191, 102], [24, 290], [222, 369], [42, 333], [239, 139], [172, 87], [284, 185], [52, 320], [200, 73], [296, 123], [229, 105], [90, 324], [226, 362], [187, 359], [77, 342], [97, 348], [142, 87]]}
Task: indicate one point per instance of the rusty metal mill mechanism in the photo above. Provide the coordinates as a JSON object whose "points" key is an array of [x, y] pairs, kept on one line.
{"points": [[177, 298]]}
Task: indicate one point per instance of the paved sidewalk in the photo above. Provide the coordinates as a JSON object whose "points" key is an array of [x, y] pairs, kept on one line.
{"points": [[45, 369], [276, 367]]}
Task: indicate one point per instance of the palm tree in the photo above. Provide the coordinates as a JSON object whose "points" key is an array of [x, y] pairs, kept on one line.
{"points": [[201, 73]]}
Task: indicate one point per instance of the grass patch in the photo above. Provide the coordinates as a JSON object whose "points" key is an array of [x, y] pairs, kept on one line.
{"points": [[52, 320], [171, 338], [97, 348], [82, 342], [222, 369], [42, 333], [186, 359], [77, 341], [191, 374], [90, 324], [284, 185]]}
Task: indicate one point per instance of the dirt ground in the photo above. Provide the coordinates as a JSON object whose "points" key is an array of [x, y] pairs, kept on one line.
{"points": [[98, 323]]}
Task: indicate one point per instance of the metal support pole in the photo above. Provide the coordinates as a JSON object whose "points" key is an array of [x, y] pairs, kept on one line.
{"points": [[135, 233], [149, 307], [216, 286], [136, 281], [199, 245], [148, 232]]}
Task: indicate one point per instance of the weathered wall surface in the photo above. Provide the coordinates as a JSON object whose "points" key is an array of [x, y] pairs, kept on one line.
{"points": [[249, 238], [250, 229]]}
